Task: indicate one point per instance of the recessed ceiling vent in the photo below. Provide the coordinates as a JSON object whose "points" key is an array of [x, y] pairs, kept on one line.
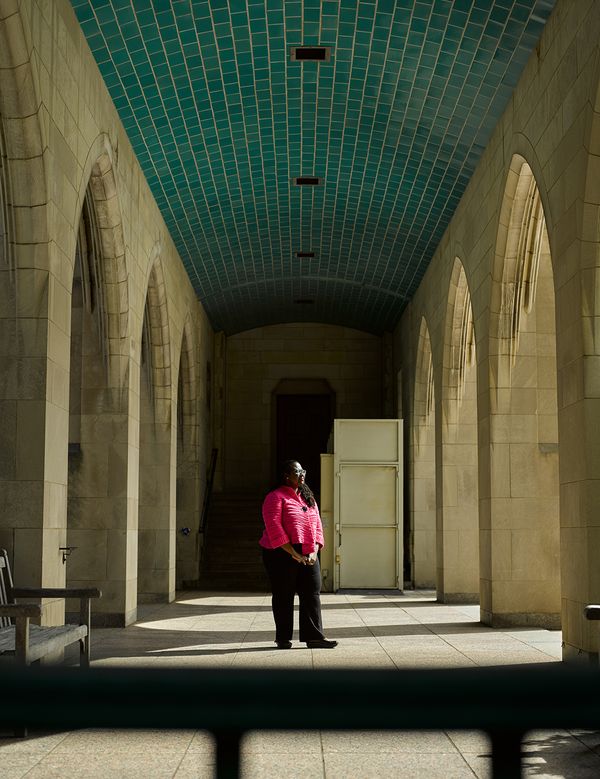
{"points": [[305, 255], [307, 181], [310, 53], [304, 302]]}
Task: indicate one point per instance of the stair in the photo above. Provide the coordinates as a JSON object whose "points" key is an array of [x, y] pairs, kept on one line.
{"points": [[231, 556]]}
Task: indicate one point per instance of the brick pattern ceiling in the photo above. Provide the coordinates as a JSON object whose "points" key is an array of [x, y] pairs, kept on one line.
{"points": [[393, 124]]}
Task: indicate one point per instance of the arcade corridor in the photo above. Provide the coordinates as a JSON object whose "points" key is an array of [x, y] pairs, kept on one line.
{"points": [[224, 223]]}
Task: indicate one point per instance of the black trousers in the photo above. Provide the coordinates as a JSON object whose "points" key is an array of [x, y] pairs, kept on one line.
{"points": [[288, 578]]}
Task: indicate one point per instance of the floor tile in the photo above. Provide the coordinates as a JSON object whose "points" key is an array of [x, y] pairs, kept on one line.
{"points": [[284, 742], [374, 631], [394, 741], [125, 741], [107, 765], [17, 765], [195, 766], [288, 766], [396, 766]]}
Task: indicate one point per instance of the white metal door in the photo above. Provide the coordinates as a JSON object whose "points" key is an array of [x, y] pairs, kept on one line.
{"points": [[367, 537], [368, 503]]}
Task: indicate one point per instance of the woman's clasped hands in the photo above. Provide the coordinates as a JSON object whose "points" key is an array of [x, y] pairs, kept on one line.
{"points": [[306, 559]]}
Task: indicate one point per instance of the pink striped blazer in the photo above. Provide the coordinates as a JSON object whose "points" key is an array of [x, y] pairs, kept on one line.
{"points": [[287, 517]]}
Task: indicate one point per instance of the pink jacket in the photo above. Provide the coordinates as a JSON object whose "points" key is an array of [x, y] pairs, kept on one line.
{"points": [[287, 517]]}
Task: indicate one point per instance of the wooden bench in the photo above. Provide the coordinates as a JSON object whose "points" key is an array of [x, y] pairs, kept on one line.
{"points": [[29, 643]]}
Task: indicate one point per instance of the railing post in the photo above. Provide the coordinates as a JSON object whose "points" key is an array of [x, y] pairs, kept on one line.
{"points": [[228, 753], [506, 754]]}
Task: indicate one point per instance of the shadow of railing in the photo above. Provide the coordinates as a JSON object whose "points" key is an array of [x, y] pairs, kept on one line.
{"points": [[504, 702]]}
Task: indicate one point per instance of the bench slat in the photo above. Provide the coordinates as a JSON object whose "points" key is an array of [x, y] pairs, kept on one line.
{"points": [[55, 592], [42, 640], [11, 610]]}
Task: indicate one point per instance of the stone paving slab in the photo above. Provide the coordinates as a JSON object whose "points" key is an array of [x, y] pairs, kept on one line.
{"points": [[374, 630]]}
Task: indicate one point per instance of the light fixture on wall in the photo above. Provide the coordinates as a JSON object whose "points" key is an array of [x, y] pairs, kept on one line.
{"points": [[66, 551]]}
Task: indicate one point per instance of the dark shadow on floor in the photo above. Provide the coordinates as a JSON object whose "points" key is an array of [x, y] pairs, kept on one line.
{"points": [[572, 755], [138, 641]]}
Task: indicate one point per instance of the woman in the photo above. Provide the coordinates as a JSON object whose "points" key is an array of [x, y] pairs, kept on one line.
{"points": [[290, 544]]}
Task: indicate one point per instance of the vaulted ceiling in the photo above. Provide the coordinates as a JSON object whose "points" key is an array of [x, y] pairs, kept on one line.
{"points": [[392, 124]]}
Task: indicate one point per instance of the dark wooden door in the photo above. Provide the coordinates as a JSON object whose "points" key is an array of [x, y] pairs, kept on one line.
{"points": [[304, 423]]}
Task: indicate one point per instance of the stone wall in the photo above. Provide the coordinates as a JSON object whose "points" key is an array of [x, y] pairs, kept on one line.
{"points": [[257, 361], [552, 127], [62, 138]]}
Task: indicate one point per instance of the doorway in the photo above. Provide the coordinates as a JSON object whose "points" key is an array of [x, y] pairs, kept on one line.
{"points": [[303, 424]]}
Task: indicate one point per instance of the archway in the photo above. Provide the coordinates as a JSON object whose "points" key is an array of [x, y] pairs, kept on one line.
{"points": [[156, 502], [422, 540], [578, 314], [97, 515], [303, 412], [188, 490], [5, 209], [458, 499], [520, 539]]}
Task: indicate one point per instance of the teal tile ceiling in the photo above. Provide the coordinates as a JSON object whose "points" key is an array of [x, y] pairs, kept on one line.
{"points": [[222, 121]]}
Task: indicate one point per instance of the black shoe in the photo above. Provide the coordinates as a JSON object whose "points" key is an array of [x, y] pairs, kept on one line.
{"points": [[284, 644], [321, 643]]}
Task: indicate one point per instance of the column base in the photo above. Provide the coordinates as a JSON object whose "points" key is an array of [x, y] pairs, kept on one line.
{"points": [[573, 655], [468, 598], [525, 620], [105, 619]]}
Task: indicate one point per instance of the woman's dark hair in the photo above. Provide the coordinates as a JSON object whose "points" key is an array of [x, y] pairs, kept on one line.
{"points": [[303, 489]]}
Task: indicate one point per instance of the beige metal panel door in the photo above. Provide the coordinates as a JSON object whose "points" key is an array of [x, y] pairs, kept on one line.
{"points": [[367, 538], [367, 440], [326, 509]]}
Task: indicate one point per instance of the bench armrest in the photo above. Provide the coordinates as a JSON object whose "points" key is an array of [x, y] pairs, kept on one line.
{"points": [[21, 613], [84, 594], [14, 610], [592, 612], [55, 592]]}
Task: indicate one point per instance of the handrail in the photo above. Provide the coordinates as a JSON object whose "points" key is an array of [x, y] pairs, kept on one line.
{"points": [[506, 702], [212, 466]]}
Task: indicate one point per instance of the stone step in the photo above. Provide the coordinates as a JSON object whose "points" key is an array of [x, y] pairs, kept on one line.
{"points": [[231, 554]]}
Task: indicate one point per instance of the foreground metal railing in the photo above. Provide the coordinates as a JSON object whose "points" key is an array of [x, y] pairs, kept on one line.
{"points": [[506, 702]]}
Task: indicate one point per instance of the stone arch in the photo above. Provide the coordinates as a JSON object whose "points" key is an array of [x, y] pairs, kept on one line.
{"points": [[186, 376], [578, 315], [98, 186], [157, 446], [522, 247], [155, 338], [20, 97], [422, 534], [458, 509], [424, 403], [520, 543], [459, 345], [31, 466], [98, 451], [190, 480], [24, 196], [290, 399], [6, 214], [590, 216]]}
